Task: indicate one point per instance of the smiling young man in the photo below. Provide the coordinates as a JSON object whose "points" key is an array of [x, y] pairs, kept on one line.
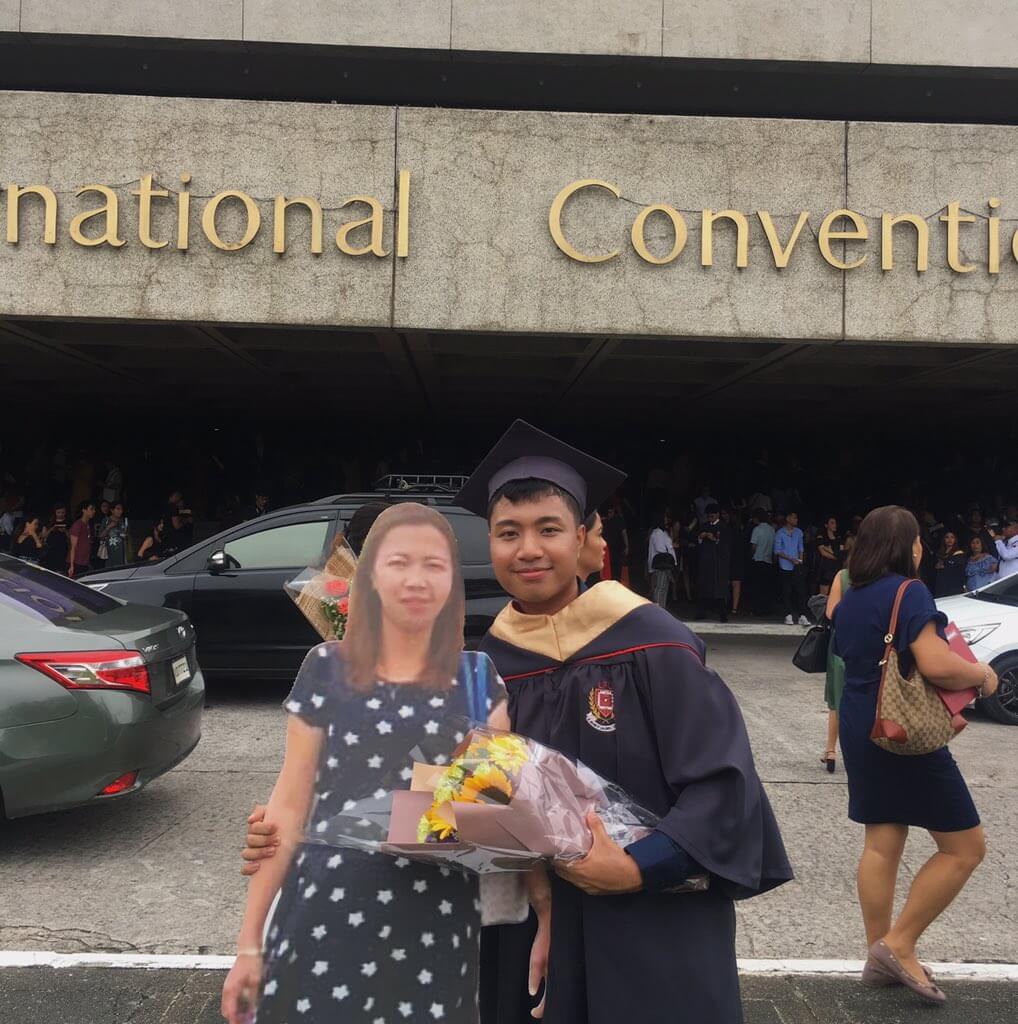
{"points": [[609, 678], [615, 681]]}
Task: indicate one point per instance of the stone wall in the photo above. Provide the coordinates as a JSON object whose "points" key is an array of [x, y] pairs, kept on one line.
{"points": [[936, 32], [481, 255]]}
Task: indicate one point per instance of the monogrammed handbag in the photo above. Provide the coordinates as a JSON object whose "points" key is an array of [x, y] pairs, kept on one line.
{"points": [[911, 718]]}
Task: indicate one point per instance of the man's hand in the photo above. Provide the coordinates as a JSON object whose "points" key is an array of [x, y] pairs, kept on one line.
{"points": [[606, 870], [262, 841]]}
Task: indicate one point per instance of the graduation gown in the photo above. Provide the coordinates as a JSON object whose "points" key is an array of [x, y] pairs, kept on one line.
{"points": [[621, 685], [713, 562]]}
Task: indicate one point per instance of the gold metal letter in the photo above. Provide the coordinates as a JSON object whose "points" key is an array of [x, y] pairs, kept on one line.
{"points": [[403, 215], [781, 256], [376, 220], [678, 226], [922, 229], [208, 220], [183, 213], [110, 210], [279, 222], [953, 219], [146, 193], [555, 219], [707, 236], [14, 193], [826, 236], [993, 238]]}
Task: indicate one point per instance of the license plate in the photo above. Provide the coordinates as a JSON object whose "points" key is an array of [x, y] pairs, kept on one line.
{"points": [[181, 672]]}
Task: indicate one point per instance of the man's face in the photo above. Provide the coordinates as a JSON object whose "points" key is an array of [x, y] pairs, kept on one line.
{"points": [[261, 500], [792, 520], [60, 515], [1011, 530], [88, 512], [535, 550]]}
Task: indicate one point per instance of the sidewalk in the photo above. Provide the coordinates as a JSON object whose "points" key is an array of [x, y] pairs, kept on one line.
{"points": [[42, 995]]}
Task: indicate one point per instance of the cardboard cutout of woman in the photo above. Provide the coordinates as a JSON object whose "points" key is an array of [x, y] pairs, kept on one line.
{"points": [[355, 936]]}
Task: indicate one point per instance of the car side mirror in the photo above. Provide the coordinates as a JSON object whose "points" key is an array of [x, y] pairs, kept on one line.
{"points": [[218, 562]]}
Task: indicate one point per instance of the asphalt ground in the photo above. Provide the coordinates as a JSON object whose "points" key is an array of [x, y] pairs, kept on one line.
{"points": [[103, 996], [157, 872]]}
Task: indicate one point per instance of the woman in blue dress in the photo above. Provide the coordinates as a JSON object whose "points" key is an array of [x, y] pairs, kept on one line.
{"points": [[981, 568], [359, 937], [890, 792]]}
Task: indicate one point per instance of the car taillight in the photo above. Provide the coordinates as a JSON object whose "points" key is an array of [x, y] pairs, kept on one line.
{"points": [[120, 785], [92, 670]]}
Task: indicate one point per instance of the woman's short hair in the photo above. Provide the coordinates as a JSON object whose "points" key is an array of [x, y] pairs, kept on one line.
{"points": [[883, 546], [363, 637]]}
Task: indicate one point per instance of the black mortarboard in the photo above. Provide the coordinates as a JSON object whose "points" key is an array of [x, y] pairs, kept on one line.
{"points": [[524, 452]]}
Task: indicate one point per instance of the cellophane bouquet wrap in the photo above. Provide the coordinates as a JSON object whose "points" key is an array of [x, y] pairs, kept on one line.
{"points": [[485, 800], [322, 592]]}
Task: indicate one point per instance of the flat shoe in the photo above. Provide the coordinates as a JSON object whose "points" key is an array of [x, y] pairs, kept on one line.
{"points": [[881, 953], [874, 976]]}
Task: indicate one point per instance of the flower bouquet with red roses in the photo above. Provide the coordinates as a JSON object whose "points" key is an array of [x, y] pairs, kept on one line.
{"points": [[322, 593]]}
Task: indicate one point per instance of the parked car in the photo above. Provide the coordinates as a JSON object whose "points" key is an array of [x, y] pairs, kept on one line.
{"points": [[97, 698], [231, 585], [988, 619]]}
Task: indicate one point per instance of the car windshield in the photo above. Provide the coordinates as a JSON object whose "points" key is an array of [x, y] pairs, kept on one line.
{"points": [[1003, 591], [28, 590]]}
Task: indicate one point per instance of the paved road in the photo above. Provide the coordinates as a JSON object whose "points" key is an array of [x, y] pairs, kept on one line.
{"points": [[157, 872], [100, 996]]}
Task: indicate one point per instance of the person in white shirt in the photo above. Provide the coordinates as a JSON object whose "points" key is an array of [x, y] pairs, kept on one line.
{"points": [[1007, 549], [659, 550]]}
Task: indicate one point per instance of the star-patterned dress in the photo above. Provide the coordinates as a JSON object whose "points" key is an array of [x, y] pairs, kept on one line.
{"points": [[359, 937]]}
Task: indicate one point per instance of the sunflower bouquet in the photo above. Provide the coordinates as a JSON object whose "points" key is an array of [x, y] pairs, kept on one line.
{"points": [[488, 771], [484, 800]]}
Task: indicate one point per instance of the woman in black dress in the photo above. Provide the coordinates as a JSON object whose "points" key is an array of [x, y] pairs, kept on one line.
{"points": [[949, 578], [889, 792], [359, 937], [829, 557]]}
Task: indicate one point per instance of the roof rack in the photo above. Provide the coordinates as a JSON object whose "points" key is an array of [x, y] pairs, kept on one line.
{"points": [[423, 483]]}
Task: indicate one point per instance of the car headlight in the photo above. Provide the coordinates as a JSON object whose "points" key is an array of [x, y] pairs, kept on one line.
{"points": [[976, 634]]}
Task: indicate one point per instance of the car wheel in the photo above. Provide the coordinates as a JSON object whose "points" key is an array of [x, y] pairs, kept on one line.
{"points": [[1003, 705]]}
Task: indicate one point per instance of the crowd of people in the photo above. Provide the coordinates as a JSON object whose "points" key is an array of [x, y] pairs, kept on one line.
{"points": [[724, 562], [97, 536]]}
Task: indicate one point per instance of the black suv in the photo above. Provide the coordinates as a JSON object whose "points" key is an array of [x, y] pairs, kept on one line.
{"points": [[231, 585]]}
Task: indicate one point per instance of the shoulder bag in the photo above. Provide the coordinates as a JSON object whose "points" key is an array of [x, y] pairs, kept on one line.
{"points": [[811, 655], [911, 718]]}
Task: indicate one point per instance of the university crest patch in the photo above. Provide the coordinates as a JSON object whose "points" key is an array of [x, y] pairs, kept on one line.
{"points": [[601, 702]]}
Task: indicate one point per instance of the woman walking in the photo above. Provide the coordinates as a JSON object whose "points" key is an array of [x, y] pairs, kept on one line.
{"points": [[890, 792], [359, 937], [834, 684]]}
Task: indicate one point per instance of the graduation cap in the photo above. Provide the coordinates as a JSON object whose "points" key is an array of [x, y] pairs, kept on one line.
{"points": [[524, 452]]}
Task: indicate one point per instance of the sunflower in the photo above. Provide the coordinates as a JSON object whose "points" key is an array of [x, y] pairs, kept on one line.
{"points": [[451, 782], [508, 752], [433, 828], [489, 781]]}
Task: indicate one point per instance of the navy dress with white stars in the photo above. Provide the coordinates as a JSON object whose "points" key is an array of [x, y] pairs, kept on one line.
{"points": [[359, 937]]}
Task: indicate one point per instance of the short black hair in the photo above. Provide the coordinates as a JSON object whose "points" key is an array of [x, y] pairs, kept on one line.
{"points": [[713, 508], [361, 522], [519, 492], [760, 513]]}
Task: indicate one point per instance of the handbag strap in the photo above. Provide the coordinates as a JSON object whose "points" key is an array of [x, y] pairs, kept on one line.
{"points": [[893, 628]]}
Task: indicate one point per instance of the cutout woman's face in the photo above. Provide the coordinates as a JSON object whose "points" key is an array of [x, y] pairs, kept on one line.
{"points": [[413, 576]]}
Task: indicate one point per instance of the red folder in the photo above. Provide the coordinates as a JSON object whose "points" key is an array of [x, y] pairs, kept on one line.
{"points": [[957, 700]]}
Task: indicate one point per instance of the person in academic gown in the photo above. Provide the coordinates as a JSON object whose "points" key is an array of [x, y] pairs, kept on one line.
{"points": [[713, 563], [618, 683]]}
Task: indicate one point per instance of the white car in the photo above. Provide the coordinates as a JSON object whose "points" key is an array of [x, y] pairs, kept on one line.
{"points": [[988, 619]]}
